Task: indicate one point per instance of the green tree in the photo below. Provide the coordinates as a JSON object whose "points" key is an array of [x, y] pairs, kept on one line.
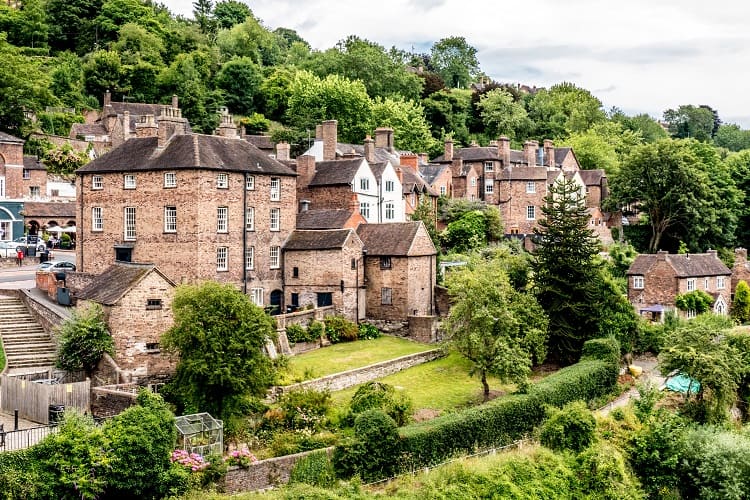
{"points": [[648, 128], [203, 13], [741, 303], [448, 113], [67, 80], [500, 330], [219, 337], [64, 159], [229, 13], [407, 119], [71, 24], [604, 146], [251, 39], [115, 14], [455, 61], [26, 26], [739, 170], [103, 71], [562, 110], [566, 273], [240, 80], [466, 233], [697, 301], [501, 114], [84, 339], [732, 137], [426, 214], [568, 428], [135, 44], [690, 122], [274, 92]]}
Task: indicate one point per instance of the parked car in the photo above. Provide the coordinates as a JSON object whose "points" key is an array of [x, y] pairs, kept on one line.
{"points": [[24, 241], [8, 249], [56, 266]]}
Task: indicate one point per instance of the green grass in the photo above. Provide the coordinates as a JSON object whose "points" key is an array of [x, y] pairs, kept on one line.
{"points": [[348, 355], [2, 356]]}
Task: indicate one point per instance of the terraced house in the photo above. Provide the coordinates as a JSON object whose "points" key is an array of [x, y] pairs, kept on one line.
{"points": [[199, 207]]}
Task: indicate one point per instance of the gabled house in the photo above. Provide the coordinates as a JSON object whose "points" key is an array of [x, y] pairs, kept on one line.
{"points": [[654, 280], [331, 218], [439, 177]]}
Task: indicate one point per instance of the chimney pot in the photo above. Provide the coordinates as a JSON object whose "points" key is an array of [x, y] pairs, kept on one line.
{"points": [[369, 149]]}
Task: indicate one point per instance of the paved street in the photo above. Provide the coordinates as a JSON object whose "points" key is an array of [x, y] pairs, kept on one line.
{"points": [[12, 278]]}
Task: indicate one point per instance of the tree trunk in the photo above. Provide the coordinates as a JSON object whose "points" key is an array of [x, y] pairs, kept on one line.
{"points": [[486, 386]]}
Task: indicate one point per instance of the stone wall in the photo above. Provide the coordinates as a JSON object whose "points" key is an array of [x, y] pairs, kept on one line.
{"points": [[423, 328], [264, 473], [442, 301], [48, 318], [350, 378], [111, 400]]}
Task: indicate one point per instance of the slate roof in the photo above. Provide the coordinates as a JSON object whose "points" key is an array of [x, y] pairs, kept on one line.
{"points": [[560, 154], [392, 239], [119, 278], [49, 209], [33, 163], [316, 240], [684, 265], [378, 169], [78, 129], [335, 172], [260, 141], [524, 174], [481, 153], [413, 182], [137, 108], [188, 151], [9, 138], [323, 219], [592, 177], [382, 155], [431, 172]]}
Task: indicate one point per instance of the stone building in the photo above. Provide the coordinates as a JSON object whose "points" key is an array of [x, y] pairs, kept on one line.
{"points": [[199, 207], [324, 268], [137, 304], [654, 280], [332, 218], [399, 270]]}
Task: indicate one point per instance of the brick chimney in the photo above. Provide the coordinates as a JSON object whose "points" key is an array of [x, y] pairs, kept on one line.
{"points": [[549, 153], [146, 127], [227, 128], [661, 255], [410, 161], [175, 101], [529, 152], [424, 158], [740, 257], [126, 125], [354, 203], [384, 138], [107, 98], [503, 150], [169, 124], [329, 130], [449, 150], [369, 149], [305, 170], [282, 151]]}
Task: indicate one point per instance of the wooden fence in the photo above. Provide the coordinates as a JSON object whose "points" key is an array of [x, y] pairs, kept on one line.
{"points": [[33, 399]]}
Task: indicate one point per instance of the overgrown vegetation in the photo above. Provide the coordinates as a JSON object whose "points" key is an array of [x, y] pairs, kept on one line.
{"points": [[84, 339]]}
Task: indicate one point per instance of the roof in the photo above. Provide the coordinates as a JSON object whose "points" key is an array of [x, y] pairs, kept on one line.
{"points": [[33, 163], [117, 280], [317, 240], [684, 265], [431, 172], [189, 151], [87, 129], [9, 138], [560, 154], [411, 181], [137, 108], [323, 219], [524, 174], [49, 209], [378, 169], [394, 238], [592, 177], [335, 172], [260, 141], [382, 155]]}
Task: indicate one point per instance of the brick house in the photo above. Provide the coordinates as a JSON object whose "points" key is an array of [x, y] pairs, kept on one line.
{"points": [[199, 207], [654, 280], [323, 268], [399, 270], [333, 218], [137, 304], [439, 177]]}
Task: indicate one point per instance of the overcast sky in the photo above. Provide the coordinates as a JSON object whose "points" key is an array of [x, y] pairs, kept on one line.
{"points": [[643, 56]]}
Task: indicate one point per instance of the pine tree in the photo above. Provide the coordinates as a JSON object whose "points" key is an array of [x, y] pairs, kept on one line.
{"points": [[566, 273]]}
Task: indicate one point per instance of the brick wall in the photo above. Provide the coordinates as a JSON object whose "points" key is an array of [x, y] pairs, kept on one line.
{"points": [[514, 202], [108, 401], [36, 178], [423, 328], [264, 473]]}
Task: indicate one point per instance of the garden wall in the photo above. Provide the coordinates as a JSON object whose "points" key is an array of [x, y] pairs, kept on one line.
{"points": [[264, 473], [111, 400], [49, 318], [303, 318]]}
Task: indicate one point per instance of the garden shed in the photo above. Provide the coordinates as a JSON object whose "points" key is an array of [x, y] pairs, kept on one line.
{"points": [[200, 433]]}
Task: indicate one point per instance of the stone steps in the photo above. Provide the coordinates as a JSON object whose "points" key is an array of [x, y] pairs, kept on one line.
{"points": [[25, 342]]}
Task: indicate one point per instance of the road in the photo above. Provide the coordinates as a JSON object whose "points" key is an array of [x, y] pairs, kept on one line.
{"points": [[25, 276]]}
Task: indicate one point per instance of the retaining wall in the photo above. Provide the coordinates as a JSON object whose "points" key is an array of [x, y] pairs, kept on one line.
{"points": [[264, 473]]}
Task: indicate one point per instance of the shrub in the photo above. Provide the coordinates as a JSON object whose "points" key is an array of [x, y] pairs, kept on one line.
{"points": [[368, 331], [654, 452], [568, 428], [84, 339], [242, 458], [697, 300], [315, 469], [305, 409], [315, 330], [296, 333], [340, 329], [603, 474], [374, 451], [378, 395]]}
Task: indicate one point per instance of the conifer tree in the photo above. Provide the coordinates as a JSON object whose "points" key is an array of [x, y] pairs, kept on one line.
{"points": [[741, 303]]}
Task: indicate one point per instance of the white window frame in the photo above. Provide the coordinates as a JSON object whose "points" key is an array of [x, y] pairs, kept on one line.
{"points": [[250, 183], [390, 211], [128, 181], [170, 180], [638, 282], [129, 224], [97, 219], [389, 186], [489, 186], [364, 184], [473, 181], [97, 182], [489, 166], [170, 219], [691, 285], [530, 187], [26, 174], [706, 282], [274, 259], [690, 314], [531, 212], [35, 192], [275, 219], [275, 189], [222, 219], [250, 258], [222, 181], [364, 209], [222, 259], [250, 219], [443, 190], [720, 283], [256, 296]]}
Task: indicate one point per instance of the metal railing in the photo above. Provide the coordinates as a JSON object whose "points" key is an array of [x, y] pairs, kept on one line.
{"points": [[23, 438]]}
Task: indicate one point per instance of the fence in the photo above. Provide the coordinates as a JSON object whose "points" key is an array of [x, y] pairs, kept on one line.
{"points": [[33, 399], [23, 438]]}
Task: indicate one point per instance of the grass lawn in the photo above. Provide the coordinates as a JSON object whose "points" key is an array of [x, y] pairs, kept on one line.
{"points": [[443, 384], [348, 355]]}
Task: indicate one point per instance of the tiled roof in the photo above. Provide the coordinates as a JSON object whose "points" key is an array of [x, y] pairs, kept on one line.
{"points": [[49, 209], [560, 154], [137, 108], [382, 155], [393, 238], [110, 286], [323, 219], [524, 174], [378, 169], [9, 138], [684, 265], [431, 172], [260, 141], [78, 129], [187, 152], [592, 177], [33, 163], [414, 182], [335, 172], [317, 240]]}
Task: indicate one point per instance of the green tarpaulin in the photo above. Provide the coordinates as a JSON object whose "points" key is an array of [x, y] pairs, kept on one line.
{"points": [[682, 383]]}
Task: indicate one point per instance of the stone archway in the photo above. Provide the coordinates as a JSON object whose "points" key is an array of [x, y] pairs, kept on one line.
{"points": [[34, 227]]}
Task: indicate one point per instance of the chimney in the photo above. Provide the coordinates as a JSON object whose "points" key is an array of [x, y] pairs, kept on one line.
{"points": [[410, 161], [305, 170], [740, 257], [227, 128], [384, 138], [304, 205], [503, 150], [369, 149], [493, 144], [330, 139], [529, 152], [318, 133], [282, 151], [175, 101], [126, 125], [400, 175], [424, 158], [549, 153], [107, 98], [146, 127], [169, 124], [712, 252], [354, 203], [449, 150], [661, 255]]}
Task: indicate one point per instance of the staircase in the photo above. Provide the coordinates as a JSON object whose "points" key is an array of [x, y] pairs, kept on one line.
{"points": [[27, 346]]}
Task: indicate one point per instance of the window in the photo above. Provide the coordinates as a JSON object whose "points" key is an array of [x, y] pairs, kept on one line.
{"points": [[473, 181], [364, 209], [720, 282], [364, 184], [97, 182], [389, 186], [250, 183], [250, 219], [129, 181], [638, 282], [55, 192], [153, 304], [170, 219], [275, 253], [26, 174], [170, 180], [385, 262], [389, 211], [531, 212], [294, 301], [295, 272], [442, 190], [222, 219], [222, 260], [250, 258], [691, 284], [97, 219], [489, 186], [690, 314], [275, 189], [530, 187], [489, 166], [275, 219], [129, 223], [222, 181], [386, 296], [324, 299], [354, 263], [705, 283], [153, 347], [256, 295], [34, 191]]}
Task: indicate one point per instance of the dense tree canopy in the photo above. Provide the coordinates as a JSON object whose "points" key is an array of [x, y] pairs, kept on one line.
{"points": [[455, 61]]}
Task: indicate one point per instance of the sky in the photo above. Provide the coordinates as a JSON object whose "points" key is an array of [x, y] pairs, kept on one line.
{"points": [[643, 56]]}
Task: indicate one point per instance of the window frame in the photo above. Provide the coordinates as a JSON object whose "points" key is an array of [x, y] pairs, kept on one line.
{"points": [[222, 220], [222, 181], [385, 262], [364, 184], [94, 218], [222, 259], [126, 184], [274, 257], [256, 296], [639, 282], [690, 285], [390, 211], [720, 283], [26, 174], [250, 183], [250, 258], [531, 212], [250, 219], [274, 219], [489, 167], [170, 219], [390, 186], [129, 224], [364, 209], [170, 180], [275, 188], [386, 296], [154, 304], [489, 186], [97, 182], [443, 190], [530, 187]]}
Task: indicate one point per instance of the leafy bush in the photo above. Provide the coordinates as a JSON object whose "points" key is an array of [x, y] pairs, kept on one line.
{"points": [[315, 469], [568, 428], [290, 442], [296, 333], [374, 451], [368, 331], [697, 300], [603, 474], [315, 330], [654, 452], [340, 329], [378, 395], [305, 409], [84, 339]]}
